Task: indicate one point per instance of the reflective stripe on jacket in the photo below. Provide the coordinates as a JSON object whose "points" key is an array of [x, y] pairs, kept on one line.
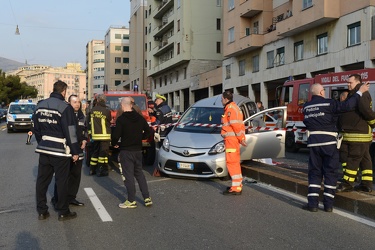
{"points": [[232, 122], [100, 118]]}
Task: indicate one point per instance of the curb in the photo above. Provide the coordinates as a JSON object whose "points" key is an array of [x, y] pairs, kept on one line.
{"points": [[295, 181]]}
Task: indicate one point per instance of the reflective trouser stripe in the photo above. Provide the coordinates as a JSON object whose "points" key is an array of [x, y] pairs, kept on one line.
{"points": [[329, 195], [103, 160], [313, 194], [94, 161], [329, 186], [314, 185], [367, 175]]}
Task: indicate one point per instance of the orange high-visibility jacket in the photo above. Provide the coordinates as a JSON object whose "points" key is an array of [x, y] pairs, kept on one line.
{"points": [[232, 122]]}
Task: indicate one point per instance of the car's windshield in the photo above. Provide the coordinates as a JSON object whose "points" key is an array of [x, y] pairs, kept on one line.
{"points": [[114, 101], [22, 108], [201, 120]]}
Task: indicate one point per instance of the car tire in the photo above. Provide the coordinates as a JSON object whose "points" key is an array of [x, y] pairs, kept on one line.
{"points": [[290, 145]]}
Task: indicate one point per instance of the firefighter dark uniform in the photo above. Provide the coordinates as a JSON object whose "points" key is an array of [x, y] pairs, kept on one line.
{"points": [[233, 132], [163, 114], [356, 129], [55, 131], [100, 118], [320, 118]]}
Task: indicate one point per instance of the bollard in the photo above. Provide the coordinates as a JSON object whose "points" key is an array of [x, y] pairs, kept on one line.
{"points": [[29, 135]]}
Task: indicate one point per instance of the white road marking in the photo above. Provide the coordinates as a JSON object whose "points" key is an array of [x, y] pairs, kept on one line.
{"points": [[303, 199], [100, 209], [164, 179]]}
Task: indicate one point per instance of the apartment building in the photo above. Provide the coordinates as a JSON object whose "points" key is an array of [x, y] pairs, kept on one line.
{"points": [[116, 70], [43, 77], [184, 40], [95, 62], [269, 42], [138, 79]]}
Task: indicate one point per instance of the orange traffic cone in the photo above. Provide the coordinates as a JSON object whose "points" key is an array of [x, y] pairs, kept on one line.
{"points": [[29, 135], [156, 172]]}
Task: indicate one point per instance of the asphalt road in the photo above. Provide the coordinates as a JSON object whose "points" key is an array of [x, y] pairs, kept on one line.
{"points": [[187, 214]]}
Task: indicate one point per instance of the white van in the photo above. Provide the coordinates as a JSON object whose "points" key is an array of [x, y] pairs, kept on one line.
{"points": [[19, 115]]}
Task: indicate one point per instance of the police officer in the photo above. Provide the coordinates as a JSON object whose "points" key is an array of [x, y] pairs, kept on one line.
{"points": [[357, 131], [321, 117], [100, 118], [54, 126], [233, 132]]}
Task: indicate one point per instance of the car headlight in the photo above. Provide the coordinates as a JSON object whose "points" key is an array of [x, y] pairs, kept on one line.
{"points": [[166, 144], [217, 148], [10, 118]]}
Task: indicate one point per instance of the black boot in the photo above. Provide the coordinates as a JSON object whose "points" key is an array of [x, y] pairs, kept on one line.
{"points": [[102, 171], [92, 170]]}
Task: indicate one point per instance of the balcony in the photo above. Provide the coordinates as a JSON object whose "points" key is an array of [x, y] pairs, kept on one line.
{"points": [[164, 27], [321, 12], [254, 7], [244, 45], [163, 47], [163, 8]]}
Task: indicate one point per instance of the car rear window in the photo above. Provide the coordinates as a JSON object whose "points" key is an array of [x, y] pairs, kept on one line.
{"points": [[200, 120]]}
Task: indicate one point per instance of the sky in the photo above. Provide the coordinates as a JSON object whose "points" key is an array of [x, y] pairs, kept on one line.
{"points": [[54, 33]]}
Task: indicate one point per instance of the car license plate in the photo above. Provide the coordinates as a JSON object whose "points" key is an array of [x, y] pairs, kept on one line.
{"points": [[23, 124], [187, 166]]}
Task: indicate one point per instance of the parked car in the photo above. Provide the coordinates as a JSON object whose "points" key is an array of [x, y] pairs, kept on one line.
{"points": [[195, 148], [3, 114]]}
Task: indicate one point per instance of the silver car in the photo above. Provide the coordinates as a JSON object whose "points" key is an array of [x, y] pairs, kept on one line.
{"points": [[195, 148]]}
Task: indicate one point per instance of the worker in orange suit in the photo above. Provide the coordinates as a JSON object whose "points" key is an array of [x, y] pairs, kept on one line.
{"points": [[233, 132]]}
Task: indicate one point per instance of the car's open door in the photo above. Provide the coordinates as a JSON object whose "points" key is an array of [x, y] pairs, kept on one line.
{"points": [[265, 134]]}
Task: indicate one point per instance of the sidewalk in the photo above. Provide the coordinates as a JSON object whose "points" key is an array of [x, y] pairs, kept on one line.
{"points": [[295, 180]]}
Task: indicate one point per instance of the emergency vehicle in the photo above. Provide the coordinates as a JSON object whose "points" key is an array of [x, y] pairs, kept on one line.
{"points": [[113, 100], [19, 115], [294, 94]]}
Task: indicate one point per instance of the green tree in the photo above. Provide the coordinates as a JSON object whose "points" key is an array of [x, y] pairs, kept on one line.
{"points": [[11, 88]]}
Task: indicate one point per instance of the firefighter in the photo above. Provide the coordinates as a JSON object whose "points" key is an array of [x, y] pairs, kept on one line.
{"points": [[357, 131], [233, 132], [163, 114], [100, 118], [320, 118]]}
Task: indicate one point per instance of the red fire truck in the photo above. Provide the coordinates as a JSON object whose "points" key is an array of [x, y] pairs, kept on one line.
{"points": [[294, 94]]}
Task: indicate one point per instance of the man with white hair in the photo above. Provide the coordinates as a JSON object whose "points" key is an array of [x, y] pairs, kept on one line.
{"points": [[321, 116]]}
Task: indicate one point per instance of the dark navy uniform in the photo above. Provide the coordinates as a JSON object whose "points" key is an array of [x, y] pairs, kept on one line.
{"points": [[55, 131], [321, 117]]}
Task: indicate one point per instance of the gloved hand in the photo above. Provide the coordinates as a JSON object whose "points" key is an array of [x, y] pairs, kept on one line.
{"points": [[156, 137]]}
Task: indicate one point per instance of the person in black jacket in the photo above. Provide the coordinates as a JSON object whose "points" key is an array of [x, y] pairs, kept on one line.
{"points": [[320, 118], [132, 128], [75, 167], [357, 132], [54, 127]]}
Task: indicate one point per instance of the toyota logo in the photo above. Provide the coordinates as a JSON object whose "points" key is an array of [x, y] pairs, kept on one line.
{"points": [[186, 153]]}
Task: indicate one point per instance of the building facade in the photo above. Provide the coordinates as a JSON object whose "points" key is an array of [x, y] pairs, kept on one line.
{"points": [[43, 77], [95, 61], [184, 40], [116, 70]]}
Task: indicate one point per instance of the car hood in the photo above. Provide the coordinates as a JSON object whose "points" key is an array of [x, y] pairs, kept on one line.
{"points": [[193, 140]]}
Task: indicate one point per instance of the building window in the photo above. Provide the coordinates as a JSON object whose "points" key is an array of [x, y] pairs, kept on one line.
{"points": [[117, 36], [270, 59], [117, 82], [117, 71], [178, 48], [170, 78], [280, 56], [125, 71], [149, 64], [230, 5], [218, 47], [185, 72], [145, 13], [298, 51], [218, 3], [160, 82], [354, 34], [149, 46], [146, 47], [146, 30], [125, 60], [178, 25], [227, 71], [231, 35], [241, 66], [126, 49], [218, 23], [247, 31], [322, 43], [256, 28], [256, 63], [117, 48], [306, 4], [145, 64], [117, 59], [177, 76], [125, 37], [178, 4], [165, 80]]}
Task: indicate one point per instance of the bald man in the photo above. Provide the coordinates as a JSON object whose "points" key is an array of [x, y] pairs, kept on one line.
{"points": [[321, 117]]}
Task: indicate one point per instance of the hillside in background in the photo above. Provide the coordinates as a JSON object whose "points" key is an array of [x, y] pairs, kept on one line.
{"points": [[7, 64]]}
